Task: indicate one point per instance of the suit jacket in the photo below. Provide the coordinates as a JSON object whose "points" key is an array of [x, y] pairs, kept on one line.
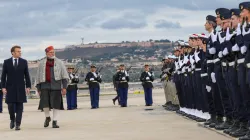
{"points": [[15, 80]]}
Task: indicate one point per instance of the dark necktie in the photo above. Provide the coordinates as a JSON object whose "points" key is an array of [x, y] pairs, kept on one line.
{"points": [[15, 65]]}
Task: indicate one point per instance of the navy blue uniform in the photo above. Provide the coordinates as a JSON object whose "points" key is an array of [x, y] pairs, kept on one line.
{"points": [[93, 80], [122, 79], [72, 92], [147, 78]]}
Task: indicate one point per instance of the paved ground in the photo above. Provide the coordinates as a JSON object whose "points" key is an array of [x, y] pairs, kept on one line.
{"points": [[108, 123]]}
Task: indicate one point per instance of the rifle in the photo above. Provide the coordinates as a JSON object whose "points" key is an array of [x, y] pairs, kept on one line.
{"points": [[129, 68]]}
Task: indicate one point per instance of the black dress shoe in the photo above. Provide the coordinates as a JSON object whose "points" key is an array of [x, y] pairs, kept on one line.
{"points": [[217, 122], [54, 124], [47, 121], [246, 137], [17, 128], [113, 101], [200, 120], [226, 125], [233, 128], [12, 124], [240, 132]]}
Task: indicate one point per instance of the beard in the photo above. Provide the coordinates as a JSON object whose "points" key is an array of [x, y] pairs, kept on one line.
{"points": [[53, 57]]}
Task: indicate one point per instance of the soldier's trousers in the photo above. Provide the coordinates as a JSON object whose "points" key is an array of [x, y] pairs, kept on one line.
{"points": [[216, 98], [94, 97], [1, 102], [178, 89], [236, 95], [245, 92], [199, 92], [123, 93], [71, 99], [148, 96], [189, 91], [183, 89], [223, 91], [194, 93], [207, 95]]}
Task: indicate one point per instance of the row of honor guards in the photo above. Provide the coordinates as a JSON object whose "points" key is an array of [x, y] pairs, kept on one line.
{"points": [[212, 73]]}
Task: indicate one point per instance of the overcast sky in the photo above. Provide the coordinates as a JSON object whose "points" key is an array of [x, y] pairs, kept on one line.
{"points": [[37, 24]]}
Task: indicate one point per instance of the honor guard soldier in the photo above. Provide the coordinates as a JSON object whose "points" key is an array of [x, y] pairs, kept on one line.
{"points": [[93, 79], [116, 88], [72, 89], [147, 77], [122, 79], [215, 109], [221, 68], [244, 49]]}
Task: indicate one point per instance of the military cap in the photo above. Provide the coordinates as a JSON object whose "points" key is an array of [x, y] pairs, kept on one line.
{"points": [[202, 35], [71, 67], [225, 15], [92, 66], [166, 57], [221, 10], [235, 12], [211, 18], [244, 5]]}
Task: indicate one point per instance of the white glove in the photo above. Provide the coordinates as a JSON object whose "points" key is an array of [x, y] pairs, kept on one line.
{"points": [[235, 48], [228, 35], [225, 51], [91, 79], [212, 50], [149, 74], [243, 49], [147, 78], [208, 88], [238, 29], [123, 78], [185, 59], [196, 56], [126, 73], [220, 54], [214, 37], [213, 77], [221, 39]]}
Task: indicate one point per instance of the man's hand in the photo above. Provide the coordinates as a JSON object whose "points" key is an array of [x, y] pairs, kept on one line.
{"points": [[27, 90], [4, 91], [64, 91]]}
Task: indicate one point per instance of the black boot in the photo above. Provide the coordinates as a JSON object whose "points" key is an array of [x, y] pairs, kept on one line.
{"points": [[233, 128], [219, 120], [240, 132], [47, 120], [54, 124], [227, 124], [247, 136]]}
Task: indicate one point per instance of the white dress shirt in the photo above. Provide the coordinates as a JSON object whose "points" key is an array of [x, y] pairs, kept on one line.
{"points": [[13, 60]]}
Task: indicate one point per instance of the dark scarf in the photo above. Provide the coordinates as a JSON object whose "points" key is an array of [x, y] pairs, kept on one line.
{"points": [[49, 64]]}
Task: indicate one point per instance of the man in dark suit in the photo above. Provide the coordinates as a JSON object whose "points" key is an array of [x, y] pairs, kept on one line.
{"points": [[15, 83], [1, 100]]}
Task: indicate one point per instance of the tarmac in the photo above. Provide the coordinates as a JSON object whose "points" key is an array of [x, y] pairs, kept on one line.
{"points": [[109, 122]]}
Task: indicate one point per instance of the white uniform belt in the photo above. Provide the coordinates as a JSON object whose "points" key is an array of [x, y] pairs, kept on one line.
{"points": [[248, 65], [216, 60], [185, 74], [148, 81], [239, 61], [189, 69], [197, 69], [93, 81], [203, 74], [231, 63], [224, 64], [123, 81], [210, 61]]}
